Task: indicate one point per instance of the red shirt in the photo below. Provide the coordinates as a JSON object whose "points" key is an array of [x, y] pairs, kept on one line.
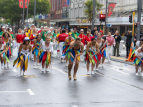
{"points": [[62, 37], [82, 38], [39, 31], [20, 38], [88, 39], [32, 37]]}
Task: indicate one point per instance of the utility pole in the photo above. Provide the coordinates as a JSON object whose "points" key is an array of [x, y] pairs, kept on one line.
{"points": [[106, 16], [34, 11], [23, 14], [93, 15], [27, 15], [139, 18]]}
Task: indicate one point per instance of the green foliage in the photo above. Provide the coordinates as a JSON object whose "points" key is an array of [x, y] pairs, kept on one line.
{"points": [[89, 8], [10, 9]]}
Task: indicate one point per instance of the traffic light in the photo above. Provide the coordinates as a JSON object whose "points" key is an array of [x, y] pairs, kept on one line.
{"points": [[130, 18], [135, 24], [102, 17]]}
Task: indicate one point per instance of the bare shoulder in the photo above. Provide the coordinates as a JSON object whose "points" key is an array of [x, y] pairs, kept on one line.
{"points": [[139, 50], [72, 43]]}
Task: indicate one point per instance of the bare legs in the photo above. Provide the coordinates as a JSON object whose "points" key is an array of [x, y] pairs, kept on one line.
{"points": [[75, 68]]}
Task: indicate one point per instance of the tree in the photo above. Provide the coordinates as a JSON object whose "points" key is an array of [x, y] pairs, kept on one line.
{"points": [[89, 9], [10, 9]]}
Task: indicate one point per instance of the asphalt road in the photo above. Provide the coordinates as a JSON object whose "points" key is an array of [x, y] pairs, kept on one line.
{"points": [[115, 85]]}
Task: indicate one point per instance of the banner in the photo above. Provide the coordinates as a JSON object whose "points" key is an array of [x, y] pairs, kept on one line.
{"points": [[111, 8], [21, 3]]}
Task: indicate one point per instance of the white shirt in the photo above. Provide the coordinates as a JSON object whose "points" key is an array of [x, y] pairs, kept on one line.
{"points": [[139, 54], [50, 47]]}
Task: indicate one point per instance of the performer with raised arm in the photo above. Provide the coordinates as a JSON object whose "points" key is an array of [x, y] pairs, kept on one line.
{"points": [[76, 49], [23, 55]]}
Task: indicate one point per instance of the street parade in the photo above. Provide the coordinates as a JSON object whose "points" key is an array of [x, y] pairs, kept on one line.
{"points": [[71, 53]]}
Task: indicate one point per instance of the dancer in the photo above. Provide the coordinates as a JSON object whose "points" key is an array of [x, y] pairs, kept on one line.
{"points": [[92, 50], [139, 60], [45, 56], [3, 57], [7, 39], [102, 53], [61, 39], [32, 38], [68, 40], [75, 50], [82, 36], [110, 42], [36, 50], [23, 56]]}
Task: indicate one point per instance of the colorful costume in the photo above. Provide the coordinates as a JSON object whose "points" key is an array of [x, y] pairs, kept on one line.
{"points": [[8, 48], [44, 55], [4, 55], [35, 50], [92, 51], [137, 60], [66, 48], [24, 54]]}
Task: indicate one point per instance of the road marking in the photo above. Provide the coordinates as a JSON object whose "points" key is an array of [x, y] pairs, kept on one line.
{"points": [[14, 70], [59, 70], [13, 91], [30, 92], [29, 76], [85, 75], [118, 58]]}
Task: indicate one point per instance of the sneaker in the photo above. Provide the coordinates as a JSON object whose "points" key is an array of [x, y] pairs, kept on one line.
{"points": [[137, 74], [47, 70], [34, 63], [97, 69], [2, 66], [32, 59], [24, 74], [66, 64], [21, 72], [92, 72], [38, 64], [7, 65], [142, 74], [42, 69], [102, 65], [88, 72]]}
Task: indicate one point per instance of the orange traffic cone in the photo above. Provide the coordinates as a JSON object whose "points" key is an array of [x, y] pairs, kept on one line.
{"points": [[130, 54]]}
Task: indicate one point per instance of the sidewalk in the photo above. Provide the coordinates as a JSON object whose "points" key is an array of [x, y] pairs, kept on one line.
{"points": [[122, 58]]}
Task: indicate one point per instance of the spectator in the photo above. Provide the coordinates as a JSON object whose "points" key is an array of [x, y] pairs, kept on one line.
{"points": [[110, 41], [135, 38], [128, 42], [78, 29], [88, 37], [101, 31], [3, 30], [93, 31], [75, 34], [95, 34], [0, 28], [117, 38]]}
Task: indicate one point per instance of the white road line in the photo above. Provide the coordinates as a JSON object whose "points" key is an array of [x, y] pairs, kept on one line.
{"points": [[14, 70], [30, 92], [13, 91], [55, 68]]}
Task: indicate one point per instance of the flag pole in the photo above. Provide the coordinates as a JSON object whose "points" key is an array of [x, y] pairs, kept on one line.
{"points": [[23, 14], [27, 13], [34, 11], [106, 17]]}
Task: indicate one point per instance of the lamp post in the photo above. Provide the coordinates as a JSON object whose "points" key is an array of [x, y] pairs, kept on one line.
{"points": [[34, 11]]}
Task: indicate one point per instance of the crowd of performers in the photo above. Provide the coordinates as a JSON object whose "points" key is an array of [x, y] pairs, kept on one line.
{"points": [[38, 45]]}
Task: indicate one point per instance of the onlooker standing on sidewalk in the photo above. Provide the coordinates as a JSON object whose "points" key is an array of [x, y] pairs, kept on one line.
{"points": [[93, 31], [75, 34], [110, 42], [117, 40], [128, 42]]}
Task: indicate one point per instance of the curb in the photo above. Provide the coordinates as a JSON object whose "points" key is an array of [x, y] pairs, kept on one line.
{"points": [[122, 60]]}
